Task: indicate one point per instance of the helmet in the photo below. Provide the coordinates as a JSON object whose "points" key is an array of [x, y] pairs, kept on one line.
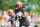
{"points": [[11, 10], [19, 4]]}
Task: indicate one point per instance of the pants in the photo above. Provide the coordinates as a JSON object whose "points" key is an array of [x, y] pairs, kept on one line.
{"points": [[21, 23]]}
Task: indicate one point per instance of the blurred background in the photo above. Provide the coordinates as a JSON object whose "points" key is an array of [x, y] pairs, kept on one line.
{"points": [[32, 6]]}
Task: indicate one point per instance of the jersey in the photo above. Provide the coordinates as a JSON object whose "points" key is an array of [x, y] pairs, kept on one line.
{"points": [[19, 9], [11, 18]]}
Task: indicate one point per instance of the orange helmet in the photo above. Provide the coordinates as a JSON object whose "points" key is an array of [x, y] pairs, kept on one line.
{"points": [[11, 10], [19, 4]]}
